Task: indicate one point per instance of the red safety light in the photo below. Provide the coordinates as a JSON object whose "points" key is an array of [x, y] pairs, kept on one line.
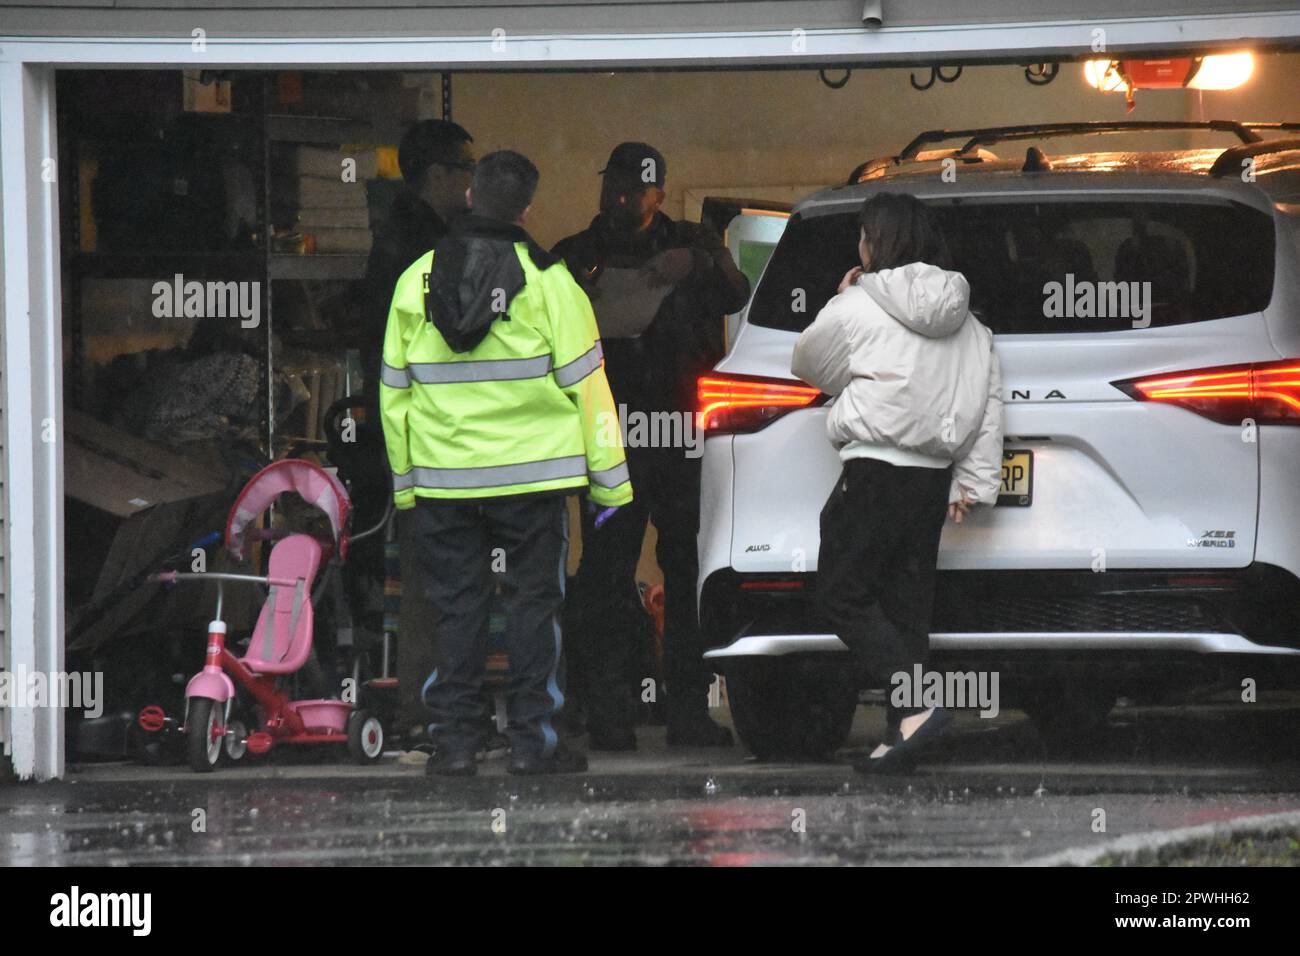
{"points": [[152, 718], [1268, 392], [746, 403], [772, 584]]}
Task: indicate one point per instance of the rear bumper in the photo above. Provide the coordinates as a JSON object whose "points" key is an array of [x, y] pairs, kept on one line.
{"points": [[778, 645], [1251, 610]]}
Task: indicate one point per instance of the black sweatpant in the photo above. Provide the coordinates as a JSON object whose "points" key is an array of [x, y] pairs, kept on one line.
{"points": [[414, 641], [880, 533], [666, 485], [455, 549]]}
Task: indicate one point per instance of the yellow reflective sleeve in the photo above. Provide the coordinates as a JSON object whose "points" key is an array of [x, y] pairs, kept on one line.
{"points": [[395, 385], [579, 370]]}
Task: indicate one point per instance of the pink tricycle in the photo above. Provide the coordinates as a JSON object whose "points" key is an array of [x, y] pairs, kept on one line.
{"points": [[282, 638]]}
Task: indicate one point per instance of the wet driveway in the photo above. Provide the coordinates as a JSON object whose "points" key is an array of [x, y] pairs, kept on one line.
{"points": [[989, 794]]}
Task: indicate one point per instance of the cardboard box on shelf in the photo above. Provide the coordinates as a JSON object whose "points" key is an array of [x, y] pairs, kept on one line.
{"points": [[117, 472]]}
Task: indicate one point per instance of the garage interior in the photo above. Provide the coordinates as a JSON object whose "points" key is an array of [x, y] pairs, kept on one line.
{"points": [[172, 173]]}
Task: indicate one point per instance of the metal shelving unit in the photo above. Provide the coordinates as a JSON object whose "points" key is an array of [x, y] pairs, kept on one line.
{"points": [[256, 131]]}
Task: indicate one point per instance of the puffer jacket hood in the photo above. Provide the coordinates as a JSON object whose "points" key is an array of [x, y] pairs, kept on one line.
{"points": [[475, 275], [928, 300], [913, 373]]}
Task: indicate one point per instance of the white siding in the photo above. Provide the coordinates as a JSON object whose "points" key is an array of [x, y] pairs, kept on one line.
{"points": [[4, 537]]}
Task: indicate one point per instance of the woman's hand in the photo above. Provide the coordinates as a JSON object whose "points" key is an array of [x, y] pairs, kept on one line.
{"points": [[958, 510], [849, 279]]}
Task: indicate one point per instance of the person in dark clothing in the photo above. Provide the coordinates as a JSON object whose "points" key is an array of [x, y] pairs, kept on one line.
{"points": [[660, 289], [491, 395], [437, 160]]}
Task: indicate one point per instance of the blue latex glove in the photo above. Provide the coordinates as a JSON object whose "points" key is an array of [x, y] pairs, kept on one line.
{"points": [[602, 514]]}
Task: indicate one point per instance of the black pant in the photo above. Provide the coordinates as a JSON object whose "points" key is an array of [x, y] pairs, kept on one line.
{"points": [[457, 566], [414, 640], [880, 533], [666, 489]]}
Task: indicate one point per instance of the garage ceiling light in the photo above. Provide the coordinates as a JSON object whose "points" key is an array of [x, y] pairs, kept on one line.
{"points": [[1216, 71]]}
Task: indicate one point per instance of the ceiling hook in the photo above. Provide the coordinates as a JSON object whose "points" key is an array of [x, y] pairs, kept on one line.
{"points": [[1040, 74], [934, 73], [837, 85]]}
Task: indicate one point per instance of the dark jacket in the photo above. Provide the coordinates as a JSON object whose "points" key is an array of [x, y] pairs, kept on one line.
{"points": [[475, 275], [412, 229], [657, 370]]}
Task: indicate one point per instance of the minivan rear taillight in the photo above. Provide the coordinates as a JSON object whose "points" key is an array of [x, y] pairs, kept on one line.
{"points": [[744, 403], [1267, 392]]}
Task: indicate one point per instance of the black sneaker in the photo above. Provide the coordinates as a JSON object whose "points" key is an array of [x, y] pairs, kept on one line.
{"points": [[562, 761], [697, 732], [446, 763]]}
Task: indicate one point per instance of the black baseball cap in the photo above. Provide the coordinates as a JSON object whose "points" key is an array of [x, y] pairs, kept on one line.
{"points": [[635, 160]]}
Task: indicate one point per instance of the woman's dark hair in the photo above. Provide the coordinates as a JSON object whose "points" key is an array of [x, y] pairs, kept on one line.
{"points": [[503, 185], [902, 229]]}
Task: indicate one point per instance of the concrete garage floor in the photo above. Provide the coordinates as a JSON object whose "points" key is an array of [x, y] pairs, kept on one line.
{"points": [[987, 795]]}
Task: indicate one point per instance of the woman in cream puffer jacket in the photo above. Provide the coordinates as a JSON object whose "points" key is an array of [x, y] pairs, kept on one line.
{"points": [[917, 422]]}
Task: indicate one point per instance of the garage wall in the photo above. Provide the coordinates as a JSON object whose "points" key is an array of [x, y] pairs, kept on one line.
{"points": [[765, 130]]}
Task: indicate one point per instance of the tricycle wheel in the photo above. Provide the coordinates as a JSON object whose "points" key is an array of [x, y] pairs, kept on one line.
{"points": [[365, 737], [202, 743], [236, 740]]}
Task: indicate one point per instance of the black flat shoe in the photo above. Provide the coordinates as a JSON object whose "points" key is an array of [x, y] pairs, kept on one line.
{"points": [[931, 729], [891, 761]]}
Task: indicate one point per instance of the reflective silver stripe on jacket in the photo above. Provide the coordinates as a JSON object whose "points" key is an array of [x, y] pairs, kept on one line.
{"points": [[394, 377], [403, 482], [579, 368], [489, 370], [493, 476], [610, 477]]}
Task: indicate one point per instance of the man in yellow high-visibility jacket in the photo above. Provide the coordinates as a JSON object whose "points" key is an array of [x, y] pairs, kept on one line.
{"points": [[495, 408]]}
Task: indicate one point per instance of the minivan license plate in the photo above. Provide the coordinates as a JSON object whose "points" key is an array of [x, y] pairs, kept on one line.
{"points": [[1017, 489]]}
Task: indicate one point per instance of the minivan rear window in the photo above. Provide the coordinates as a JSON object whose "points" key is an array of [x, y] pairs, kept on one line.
{"points": [[1030, 264]]}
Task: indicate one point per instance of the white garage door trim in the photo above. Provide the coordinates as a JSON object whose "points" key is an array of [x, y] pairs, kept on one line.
{"points": [[32, 396], [970, 42]]}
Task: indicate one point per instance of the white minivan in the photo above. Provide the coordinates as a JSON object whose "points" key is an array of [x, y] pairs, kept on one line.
{"points": [[1146, 543]]}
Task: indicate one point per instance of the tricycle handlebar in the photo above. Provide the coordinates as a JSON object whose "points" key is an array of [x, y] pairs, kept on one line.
{"points": [[171, 577]]}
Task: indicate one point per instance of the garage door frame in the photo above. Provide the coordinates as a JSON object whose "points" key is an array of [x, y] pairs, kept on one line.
{"points": [[31, 387]]}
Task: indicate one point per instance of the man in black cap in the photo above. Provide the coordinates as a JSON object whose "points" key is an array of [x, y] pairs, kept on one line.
{"points": [[437, 163], [660, 289]]}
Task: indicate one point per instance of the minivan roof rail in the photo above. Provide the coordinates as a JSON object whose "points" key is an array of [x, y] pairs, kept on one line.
{"points": [[988, 135], [1229, 162]]}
